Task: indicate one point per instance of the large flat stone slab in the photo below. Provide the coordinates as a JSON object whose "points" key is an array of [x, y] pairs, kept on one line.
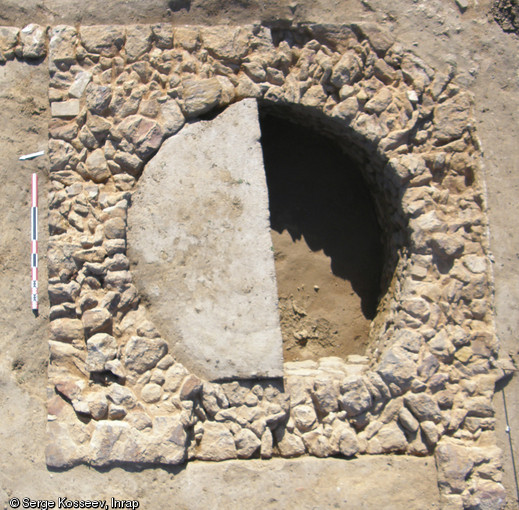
{"points": [[367, 483], [199, 241]]}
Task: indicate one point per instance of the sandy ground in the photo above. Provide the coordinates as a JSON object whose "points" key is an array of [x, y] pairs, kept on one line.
{"points": [[487, 61]]}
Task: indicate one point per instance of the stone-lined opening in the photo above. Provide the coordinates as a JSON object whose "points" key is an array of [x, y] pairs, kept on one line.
{"points": [[326, 239], [429, 381]]}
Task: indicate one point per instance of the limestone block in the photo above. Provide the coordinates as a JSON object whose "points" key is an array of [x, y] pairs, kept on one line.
{"points": [[217, 443], [141, 354], [81, 81], [96, 166], [32, 39], [246, 443], [62, 44], [289, 445], [138, 41], [200, 96], [326, 394], [98, 97], [8, 40], [144, 133], [66, 330], [101, 348], [304, 417], [68, 108], [356, 397], [102, 40], [226, 43], [451, 118], [378, 36], [347, 70], [199, 227], [423, 407]]}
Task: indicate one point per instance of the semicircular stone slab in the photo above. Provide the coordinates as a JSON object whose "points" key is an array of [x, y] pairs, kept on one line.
{"points": [[201, 252]]}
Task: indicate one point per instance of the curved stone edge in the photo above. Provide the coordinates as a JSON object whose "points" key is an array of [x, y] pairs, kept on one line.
{"points": [[115, 93]]}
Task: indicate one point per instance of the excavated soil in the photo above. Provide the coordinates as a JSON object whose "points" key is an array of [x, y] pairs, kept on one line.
{"points": [[326, 241]]}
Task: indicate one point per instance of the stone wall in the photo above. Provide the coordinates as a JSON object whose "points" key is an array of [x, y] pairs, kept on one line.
{"points": [[116, 395]]}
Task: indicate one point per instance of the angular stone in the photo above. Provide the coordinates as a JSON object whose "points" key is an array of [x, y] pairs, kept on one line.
{"points": [[32, 39], [247, 443], [163, 35], [99, 126], [346, 439], [304, 417], [102, 40], [347, 70], [326, 394], [97, 320], [423, 407], [289, 445], [317, 444], [213, 398], [391, 438], [200, 96], [218, 298], [430, 432], [379, 102], [408, 421], [384, 72], [441, 346], [172, 117], [115, 228], [97, 405], [451, 118], [475, 264], [346, 110], [128, 162], [68, 108], [267, 442], [379, 38], [121, 395], [217, 443], [447, 245], [63, 292], [355, 398], [190, 387], [8, 40], [397, 369], [118, 280], [66, 330], [98, 97], [138, 41], [64, 130], [96, 166], [454, 463], [226, 43], [62, 44], [81, 81], [145, 134], [100, 348], [141, 354]]}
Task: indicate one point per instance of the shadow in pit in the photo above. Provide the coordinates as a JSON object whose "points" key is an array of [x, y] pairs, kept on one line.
{"points": [[318, 194]]}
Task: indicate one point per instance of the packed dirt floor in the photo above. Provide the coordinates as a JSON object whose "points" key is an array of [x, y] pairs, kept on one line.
{"points": [[487, 62]]}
